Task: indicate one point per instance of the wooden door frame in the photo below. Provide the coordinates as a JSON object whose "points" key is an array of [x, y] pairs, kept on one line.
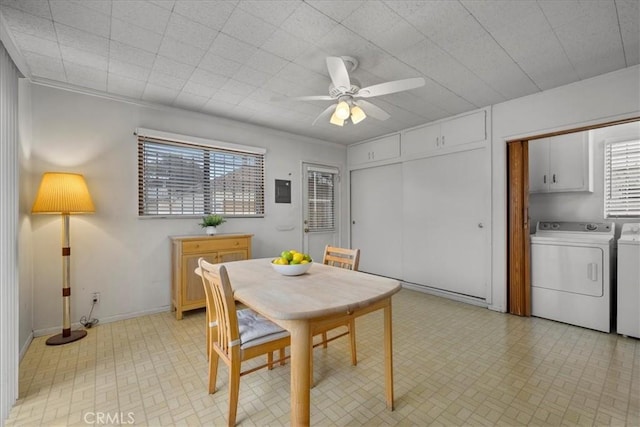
{"points": [[518, 248]]}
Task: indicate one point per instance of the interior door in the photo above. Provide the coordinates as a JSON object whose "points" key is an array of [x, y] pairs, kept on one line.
{"points": [[446, 214], [519, 270], [376, 228], [320, 199]]}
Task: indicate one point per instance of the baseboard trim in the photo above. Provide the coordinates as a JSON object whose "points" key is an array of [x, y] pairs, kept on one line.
{"points": [[108, 319], [25, 347], [446, 294]]}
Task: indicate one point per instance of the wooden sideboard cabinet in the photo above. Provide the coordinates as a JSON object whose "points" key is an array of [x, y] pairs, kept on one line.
{"points": [[187, 292]]}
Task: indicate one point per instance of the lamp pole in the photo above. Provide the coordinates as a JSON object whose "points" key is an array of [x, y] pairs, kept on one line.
{"points": [[67, 335]]}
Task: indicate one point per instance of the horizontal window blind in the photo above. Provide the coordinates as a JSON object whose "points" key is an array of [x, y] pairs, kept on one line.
{"points": [[177, 179], [321, 201], [622, 179]]}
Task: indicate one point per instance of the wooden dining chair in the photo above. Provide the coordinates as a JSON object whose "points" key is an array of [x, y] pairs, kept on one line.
{"points": [[342, 258], [235, 335]]}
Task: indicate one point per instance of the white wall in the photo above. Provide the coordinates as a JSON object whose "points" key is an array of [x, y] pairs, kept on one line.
{"points": [[114, 252], [584, 206], [600, 99]]}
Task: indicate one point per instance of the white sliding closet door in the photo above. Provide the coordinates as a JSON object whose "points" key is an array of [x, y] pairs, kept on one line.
{"points": [[376, 223], [446, 210]]}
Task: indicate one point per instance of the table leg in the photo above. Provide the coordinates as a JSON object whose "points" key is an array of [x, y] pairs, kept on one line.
{"points": [[388, 356], [300, 376]]}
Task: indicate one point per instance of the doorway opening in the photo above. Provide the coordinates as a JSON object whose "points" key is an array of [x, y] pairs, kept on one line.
{"points": [[518, 216]]}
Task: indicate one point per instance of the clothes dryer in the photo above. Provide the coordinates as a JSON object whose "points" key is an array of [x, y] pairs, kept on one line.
{"points": [[570, 273], [629, 281]]}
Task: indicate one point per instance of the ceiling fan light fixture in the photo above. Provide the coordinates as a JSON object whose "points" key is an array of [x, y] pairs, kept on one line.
{"points": [[335, 120], [342, 110], [357, 115]]}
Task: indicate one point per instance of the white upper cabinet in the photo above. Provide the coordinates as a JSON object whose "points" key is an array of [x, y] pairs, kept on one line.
{"points": [[561, 164], [446, 134], [539, 165], [421, 140], [385, 148]]}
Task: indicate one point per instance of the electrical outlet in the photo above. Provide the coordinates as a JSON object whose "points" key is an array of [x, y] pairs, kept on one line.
{"points": [[95, 298]]}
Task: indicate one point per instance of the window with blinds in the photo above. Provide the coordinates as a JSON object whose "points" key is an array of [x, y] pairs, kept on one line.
{"points": [[622, 179], [321, 200], [182, 179]]}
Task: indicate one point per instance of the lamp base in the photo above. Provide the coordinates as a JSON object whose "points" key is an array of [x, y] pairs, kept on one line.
{"points": [[59, 339]]}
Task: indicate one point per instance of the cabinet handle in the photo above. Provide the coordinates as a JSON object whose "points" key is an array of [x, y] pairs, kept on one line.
{"points": [[554, 178], [437, 141], [442, 139], [544, 179], [373, 155]]}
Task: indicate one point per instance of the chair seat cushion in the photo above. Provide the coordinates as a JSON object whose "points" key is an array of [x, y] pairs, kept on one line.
{"points": [[256, 329]]}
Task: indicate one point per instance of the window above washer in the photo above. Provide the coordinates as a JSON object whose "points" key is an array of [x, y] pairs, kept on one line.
{"points": [[622, 179]]}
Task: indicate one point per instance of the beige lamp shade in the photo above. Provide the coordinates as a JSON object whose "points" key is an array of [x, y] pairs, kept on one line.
{"points": [[357, 115], [335, 120], [342, 110], [63, 193]]}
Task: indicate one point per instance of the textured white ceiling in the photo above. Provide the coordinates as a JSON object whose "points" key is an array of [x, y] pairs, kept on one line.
{"points": [[229, 58]]}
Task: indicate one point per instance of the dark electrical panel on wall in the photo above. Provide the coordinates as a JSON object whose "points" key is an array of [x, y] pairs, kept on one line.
{"points": [[283, 191]]}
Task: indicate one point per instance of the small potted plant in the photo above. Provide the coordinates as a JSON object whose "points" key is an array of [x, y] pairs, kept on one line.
{"points": [[210, 222]]}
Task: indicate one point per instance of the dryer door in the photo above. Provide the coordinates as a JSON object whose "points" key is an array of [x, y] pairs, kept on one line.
{"points": [[572, 269]]}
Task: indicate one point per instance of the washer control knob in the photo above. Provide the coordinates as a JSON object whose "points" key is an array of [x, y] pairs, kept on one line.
{"points": [[591, 227], [555, 226]]}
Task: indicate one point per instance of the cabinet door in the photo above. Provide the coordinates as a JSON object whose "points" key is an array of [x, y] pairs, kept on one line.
{"points": [[192, 290], [568, 162], [232, 255], [373, 151], [375, 228], [463, 130], [386, 148], [539, 165], [360, 153], [421, 140]]}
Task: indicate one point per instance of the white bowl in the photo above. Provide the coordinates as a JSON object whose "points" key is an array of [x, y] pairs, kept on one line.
{"points": [[291, 270]]}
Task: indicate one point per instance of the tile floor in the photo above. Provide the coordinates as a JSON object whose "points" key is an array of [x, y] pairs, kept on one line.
{"points": [[455, 364]]}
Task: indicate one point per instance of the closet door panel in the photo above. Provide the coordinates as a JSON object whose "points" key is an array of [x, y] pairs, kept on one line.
{"points": [[445, 222], [376, 228]]}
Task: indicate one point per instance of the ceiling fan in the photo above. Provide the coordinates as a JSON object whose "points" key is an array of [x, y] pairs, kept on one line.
{"points": [[347, 92]]}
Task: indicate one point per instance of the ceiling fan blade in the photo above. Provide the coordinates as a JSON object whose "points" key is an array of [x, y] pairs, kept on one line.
{"points": [[373, 110], [338, 73], [390, 87], [302, 98], [324, 116]]}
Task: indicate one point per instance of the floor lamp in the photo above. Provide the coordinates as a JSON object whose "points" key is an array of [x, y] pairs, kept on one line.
{"points": [[65, 194]]}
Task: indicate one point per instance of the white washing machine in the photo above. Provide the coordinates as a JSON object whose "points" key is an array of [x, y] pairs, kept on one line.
{"points": [[629, 281], [570, 273]]}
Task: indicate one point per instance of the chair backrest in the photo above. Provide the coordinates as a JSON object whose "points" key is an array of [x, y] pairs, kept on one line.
{"points": [[219, 300], [341, 257]]}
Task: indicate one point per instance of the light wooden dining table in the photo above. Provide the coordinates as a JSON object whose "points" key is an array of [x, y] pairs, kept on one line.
{"points": [[323, 295]]}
